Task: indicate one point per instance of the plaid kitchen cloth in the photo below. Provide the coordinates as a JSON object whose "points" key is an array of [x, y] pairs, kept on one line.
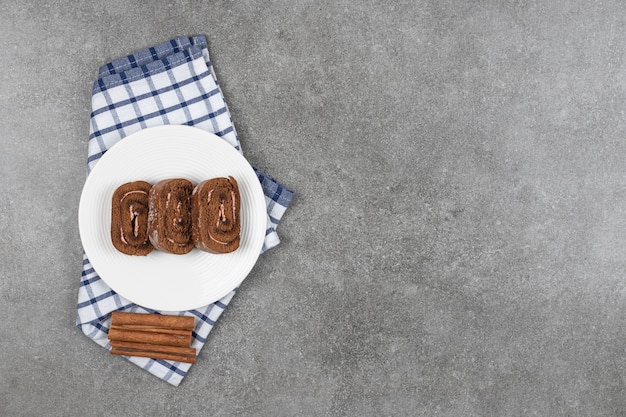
{"points": [[170, 83]]}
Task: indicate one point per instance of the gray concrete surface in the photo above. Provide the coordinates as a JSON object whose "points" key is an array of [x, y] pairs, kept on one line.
{"points": [[456, 246]]}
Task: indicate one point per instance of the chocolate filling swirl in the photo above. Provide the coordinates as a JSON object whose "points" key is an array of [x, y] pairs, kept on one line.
{"points": [[215, 210], [129, 218], [169, 222]]}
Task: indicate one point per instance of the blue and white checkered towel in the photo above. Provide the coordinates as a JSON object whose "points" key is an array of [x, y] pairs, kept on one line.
{"points": [[171, 83]]}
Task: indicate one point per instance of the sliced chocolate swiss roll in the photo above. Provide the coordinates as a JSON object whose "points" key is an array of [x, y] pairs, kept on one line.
{"points": [[215, 210], [129, 218], [169, 221]]}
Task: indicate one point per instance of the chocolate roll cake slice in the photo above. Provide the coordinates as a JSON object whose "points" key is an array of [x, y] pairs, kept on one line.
{"points": [[129, 218], [215, 210], [169, 220]]}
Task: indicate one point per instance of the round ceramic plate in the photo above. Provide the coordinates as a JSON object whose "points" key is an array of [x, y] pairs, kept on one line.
{"points": [[164, 281]]}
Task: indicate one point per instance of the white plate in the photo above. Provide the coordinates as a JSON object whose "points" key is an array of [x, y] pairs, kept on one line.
{"points": [[164, 281]]}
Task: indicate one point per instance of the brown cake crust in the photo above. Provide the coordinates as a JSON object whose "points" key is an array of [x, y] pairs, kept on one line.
{"points": [[129, 218], [215, 211], [169, 220]]}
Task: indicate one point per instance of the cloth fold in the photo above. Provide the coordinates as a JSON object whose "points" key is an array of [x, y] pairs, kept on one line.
{"points": [[170, 83]]}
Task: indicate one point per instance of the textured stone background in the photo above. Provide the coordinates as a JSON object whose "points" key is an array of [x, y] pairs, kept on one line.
{"points": [[456, 244]]}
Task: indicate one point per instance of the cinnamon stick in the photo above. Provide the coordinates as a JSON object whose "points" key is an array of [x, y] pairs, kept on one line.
{"points": [[153, 320], [153, 336], [179, 354], [147, 354], [149, 337], [142, 328]]}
